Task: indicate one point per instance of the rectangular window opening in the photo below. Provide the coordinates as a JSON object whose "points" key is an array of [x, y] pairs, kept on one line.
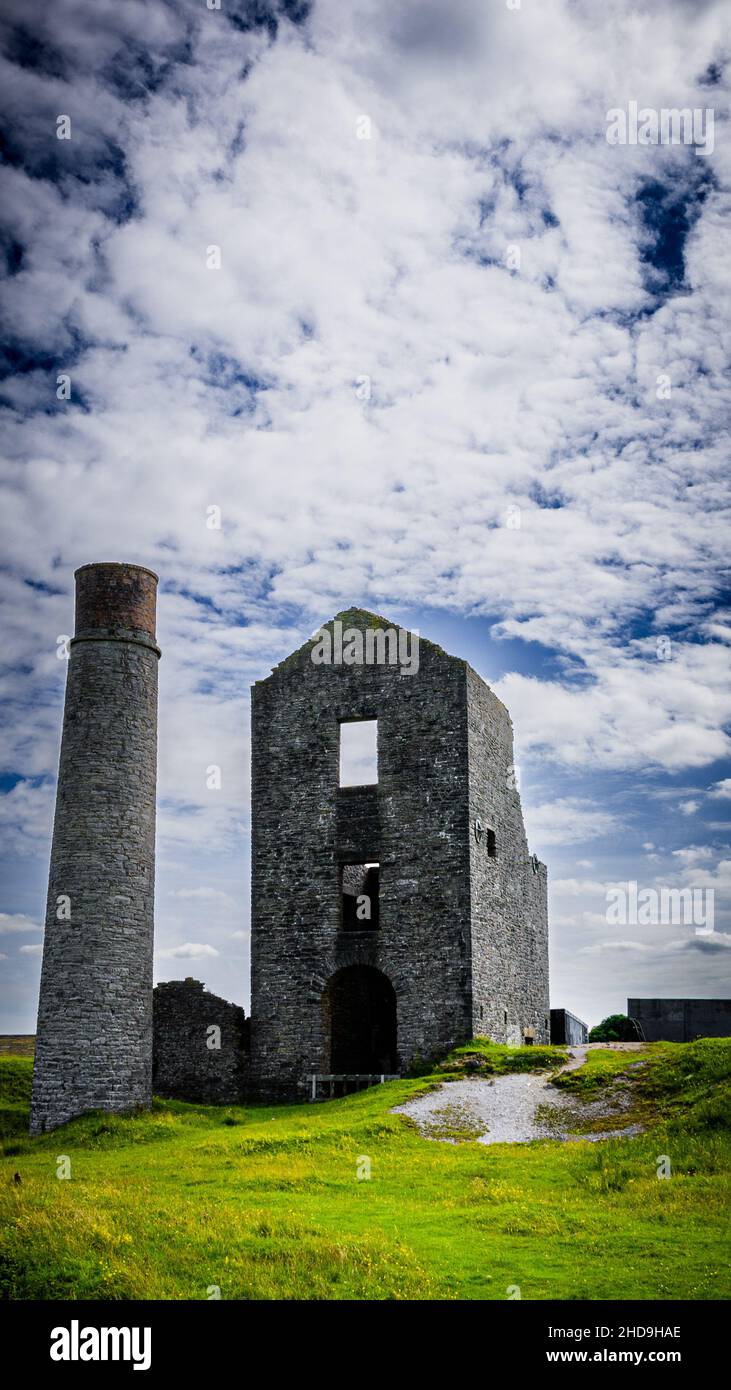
{"points": [[359, 897], [358, 752]]}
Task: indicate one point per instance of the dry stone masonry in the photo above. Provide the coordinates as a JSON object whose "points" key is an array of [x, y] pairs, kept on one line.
{"points": [[200, 1045], [460, 941], [390, 920], [94, 1033]]}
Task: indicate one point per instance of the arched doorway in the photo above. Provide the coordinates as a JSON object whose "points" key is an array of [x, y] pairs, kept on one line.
{"points": [[359, 1005]]}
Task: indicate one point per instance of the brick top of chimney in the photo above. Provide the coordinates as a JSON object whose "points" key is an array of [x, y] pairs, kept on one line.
{"points": [[110, 597]]}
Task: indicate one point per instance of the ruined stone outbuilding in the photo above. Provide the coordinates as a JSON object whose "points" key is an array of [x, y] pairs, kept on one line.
{"points": [[200, 1045]]}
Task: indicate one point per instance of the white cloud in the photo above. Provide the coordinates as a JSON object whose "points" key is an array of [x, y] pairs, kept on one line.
{"points": [[17, 922], [568, 821], [634, 713], [718, 877], [601, 947], [575, 887], [189, 950], [581, 920], [385, 258], [26, 817], [708, 943], [693, 854], [202, 893]]}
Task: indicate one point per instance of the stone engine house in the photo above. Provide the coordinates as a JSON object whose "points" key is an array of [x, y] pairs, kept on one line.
{"points": [[396, 910], [396, 916]]}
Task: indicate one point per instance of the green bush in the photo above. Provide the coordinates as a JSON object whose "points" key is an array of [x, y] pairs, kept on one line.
{"points": [[615, 1028]]}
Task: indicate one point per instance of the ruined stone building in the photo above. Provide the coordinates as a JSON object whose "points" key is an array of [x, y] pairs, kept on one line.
{"points": [[396, 910], [200, 1044], [431, 843]]}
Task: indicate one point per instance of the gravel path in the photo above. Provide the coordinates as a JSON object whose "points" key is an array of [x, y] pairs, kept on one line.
{"points": [[502, 1109]]}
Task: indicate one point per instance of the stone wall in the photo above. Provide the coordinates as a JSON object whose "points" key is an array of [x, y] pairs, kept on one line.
{"points": [[94, 1033], [509, 908], [681, 1020], [438, 905], [200, 1045]]}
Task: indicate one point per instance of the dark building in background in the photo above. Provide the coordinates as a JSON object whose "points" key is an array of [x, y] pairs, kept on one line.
{"points": [[567, 1028], [394, 919], [200, 1045], [681, 1020]]}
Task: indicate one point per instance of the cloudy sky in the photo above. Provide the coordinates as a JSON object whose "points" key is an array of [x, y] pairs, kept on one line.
{"points": [[369, 278]]}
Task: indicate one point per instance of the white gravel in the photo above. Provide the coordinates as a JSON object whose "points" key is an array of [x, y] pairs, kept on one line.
{"points": [[502, 1110]]}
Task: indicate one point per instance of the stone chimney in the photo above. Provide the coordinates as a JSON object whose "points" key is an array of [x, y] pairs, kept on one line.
{"points": [[94, 1033]]}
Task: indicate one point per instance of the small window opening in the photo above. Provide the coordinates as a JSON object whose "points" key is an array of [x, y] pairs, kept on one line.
{"points": [[359, 901], [358, 752], [491, 844]]}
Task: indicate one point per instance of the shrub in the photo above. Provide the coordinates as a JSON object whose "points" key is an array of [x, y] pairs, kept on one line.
{"points": [[615, 1028]]}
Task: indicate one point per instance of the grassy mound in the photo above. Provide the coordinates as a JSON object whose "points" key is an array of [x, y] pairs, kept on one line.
{"points": [[686, 1082], [484, 1058], [343, 1199]]}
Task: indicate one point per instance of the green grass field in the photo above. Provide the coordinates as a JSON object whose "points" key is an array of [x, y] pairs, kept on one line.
{"points": [[266, 1203]]}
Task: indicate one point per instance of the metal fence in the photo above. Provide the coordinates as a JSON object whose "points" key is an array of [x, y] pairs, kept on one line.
{"points": [[340, 1083]]}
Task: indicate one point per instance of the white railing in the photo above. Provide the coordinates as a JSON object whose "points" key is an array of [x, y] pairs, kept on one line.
{"points": [[315, 1079]]}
